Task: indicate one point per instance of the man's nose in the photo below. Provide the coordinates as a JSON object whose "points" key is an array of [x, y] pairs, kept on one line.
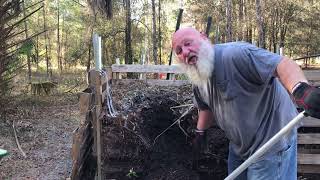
{"points": [[185, 51]]}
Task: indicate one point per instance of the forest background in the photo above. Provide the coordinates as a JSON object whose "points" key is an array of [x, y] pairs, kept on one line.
{"points": [[52, 37]]}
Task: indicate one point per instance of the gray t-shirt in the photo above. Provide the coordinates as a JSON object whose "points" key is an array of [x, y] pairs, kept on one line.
{"points": [[248, 102]]}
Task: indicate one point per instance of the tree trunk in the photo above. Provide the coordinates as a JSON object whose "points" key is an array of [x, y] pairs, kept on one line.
{"points": [[88, 36], [113, 44], [261, 26], [37, 45], [229, 20], [217, 33], [27, 36], [89, 46], [159, 29], [105, 53], [65, 42], [46, 39], [128, 55], [58, 39], [241, 23], [274, 33], [154, 33], [246, 20]]}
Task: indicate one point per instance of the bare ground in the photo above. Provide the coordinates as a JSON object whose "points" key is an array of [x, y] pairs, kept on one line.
{"points": [[44, 128]]}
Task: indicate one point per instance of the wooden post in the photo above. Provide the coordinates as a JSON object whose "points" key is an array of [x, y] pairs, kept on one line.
{"points": [[109, 73], [86, 103], [96, 84], [118, 74]]}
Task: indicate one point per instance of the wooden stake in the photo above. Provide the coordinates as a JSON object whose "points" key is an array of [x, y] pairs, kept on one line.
{"points": [[95, 82]]}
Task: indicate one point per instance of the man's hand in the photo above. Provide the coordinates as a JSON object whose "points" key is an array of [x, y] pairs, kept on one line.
{"points": [[307, 97], [198, 143]]}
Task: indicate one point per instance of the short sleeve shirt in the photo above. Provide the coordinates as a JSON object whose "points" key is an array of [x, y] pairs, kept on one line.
{"points": [[248, 102]]}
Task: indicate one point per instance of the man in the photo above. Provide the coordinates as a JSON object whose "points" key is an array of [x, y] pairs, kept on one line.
{"points": [[245, 90]]}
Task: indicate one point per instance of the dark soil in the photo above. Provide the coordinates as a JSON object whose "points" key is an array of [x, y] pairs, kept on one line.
{"points": [[132, 141]]}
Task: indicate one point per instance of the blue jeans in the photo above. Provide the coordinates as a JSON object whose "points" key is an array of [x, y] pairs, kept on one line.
{"points": [[280, 165]]}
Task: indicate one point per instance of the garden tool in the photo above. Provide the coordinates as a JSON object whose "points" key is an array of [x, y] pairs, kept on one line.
{"points": [[3, 153], [266, 147]]}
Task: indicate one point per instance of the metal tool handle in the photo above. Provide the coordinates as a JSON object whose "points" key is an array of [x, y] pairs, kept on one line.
{"points": [[265, 147]]}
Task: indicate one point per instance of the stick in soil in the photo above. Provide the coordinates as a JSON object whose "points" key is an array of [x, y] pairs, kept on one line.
{"points": [[177, 121], [17, 141], [143, 140], [184, 105]]}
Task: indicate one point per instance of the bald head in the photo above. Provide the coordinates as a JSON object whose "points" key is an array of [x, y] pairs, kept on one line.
{"points": [[186, 43], [185, 32]]}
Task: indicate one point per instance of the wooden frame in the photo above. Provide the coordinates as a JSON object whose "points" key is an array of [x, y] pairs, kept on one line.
{"points": [[91, 111], [92, 99], [143, 69], [308, 161]]}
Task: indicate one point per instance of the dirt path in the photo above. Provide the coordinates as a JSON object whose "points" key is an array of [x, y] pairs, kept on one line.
{"points": [[45, 135]]}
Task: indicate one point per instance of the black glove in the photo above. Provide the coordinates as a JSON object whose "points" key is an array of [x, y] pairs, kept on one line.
{"points": [[307, 97], [198, 144]]}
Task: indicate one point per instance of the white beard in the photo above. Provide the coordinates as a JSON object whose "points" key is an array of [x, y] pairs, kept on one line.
{"points": [[199, 73]]}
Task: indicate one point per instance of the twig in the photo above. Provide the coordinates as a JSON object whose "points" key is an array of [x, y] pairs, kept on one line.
{"points": [[34, 4], [184, 105], [17, 141], [177, 121], [143, 140], [79, 3]]}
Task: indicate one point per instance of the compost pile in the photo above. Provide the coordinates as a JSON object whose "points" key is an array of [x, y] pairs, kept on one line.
{"points": [[142, 143]]}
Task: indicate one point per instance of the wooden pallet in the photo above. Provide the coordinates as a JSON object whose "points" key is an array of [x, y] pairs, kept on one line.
{"points": [[308, 156], [173, 70]]}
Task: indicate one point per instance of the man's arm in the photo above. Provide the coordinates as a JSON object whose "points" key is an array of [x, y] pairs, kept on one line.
{"points": [[205, 119], [306, 96], [290, 73]]}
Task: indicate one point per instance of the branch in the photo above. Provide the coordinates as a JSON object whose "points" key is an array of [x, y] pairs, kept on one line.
{"points": [[7, 59], [34, 4], [78, 3], [2, 2], [177, 121], [142, 24], [14, 34], [143, 140], [11, 52], [112, 34], [5, 33], [10, 78], [184, 105], [6, 15], [21, 20], [17, 141], [22, 41], [15, 7]]}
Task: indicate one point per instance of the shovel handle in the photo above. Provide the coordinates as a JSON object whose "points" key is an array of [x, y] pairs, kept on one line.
{"points": [[265, 147]]}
